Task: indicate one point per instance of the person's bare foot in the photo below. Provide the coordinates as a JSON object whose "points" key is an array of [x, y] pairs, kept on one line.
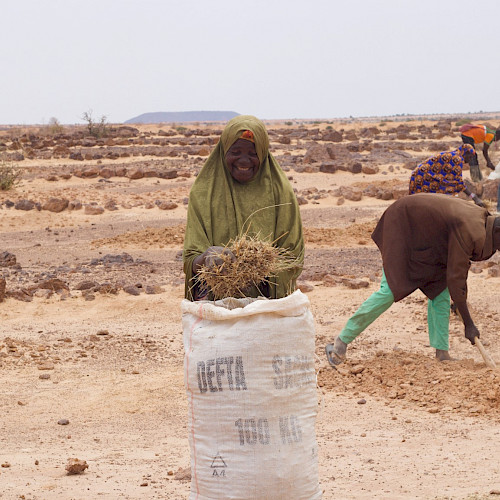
{"points": [[443, 355]]}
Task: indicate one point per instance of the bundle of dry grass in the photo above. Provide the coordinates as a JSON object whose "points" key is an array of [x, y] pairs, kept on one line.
{"points": [[255, 261], [490, 206]]}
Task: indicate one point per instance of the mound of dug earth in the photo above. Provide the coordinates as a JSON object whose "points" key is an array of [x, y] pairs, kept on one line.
{"points": [[458, 387]]}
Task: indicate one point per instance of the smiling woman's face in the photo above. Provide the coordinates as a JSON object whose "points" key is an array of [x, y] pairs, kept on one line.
{"points": [[242, 161]]}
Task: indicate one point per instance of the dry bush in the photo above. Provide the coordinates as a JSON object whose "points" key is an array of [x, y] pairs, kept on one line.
{"points": [[255, 261], [9, 176]]}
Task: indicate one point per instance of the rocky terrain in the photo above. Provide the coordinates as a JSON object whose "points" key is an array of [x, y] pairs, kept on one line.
{"points": [[90, 336]]}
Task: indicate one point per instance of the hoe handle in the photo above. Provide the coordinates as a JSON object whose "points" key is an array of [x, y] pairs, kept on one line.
{"points": [[487, 358]]}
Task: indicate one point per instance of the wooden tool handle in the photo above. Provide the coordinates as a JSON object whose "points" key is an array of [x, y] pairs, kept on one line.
{"points": [[487, 358]]}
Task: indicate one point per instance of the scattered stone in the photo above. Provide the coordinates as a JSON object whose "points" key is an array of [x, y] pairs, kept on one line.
{"points": [[355, 283], [167, 205], [357, 369], [137, 173], [24, 205], [107, 172], [110, 205], [102, 332], [122, 258], [132, 290], [63, 421], [86, 285], [168, 174], [369, 169], [332, 136], [76, 156], [75, 466], [305, 287], [75, 205], [494, 272], [42, 294], [6, 465], [318, 153], [55, 205], [3, 286], [355, 168], [24, 295], [183, 474], [54, 284], [46, 366], [93, 209], [362, 401], [7, 259], [329, 280], [153, 289], [44, 376], [328, 167]]}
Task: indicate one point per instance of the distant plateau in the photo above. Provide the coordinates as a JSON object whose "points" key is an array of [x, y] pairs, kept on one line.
{"points": [[183, 116]]}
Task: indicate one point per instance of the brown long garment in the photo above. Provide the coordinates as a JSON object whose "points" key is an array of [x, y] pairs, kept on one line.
{"points": [[428, 240]]}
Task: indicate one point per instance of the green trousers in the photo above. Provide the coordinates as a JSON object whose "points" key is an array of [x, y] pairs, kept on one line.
{"points": [[438, 316]]}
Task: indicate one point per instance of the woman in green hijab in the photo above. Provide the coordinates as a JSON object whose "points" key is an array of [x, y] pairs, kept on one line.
{"points": [[241, 188]]}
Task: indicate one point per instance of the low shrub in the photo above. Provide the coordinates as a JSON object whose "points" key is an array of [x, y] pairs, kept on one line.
{"points": [[9, 176]]}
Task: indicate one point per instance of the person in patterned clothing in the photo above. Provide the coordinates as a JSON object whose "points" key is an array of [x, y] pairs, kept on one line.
{"points": [[475, 134], [443, 174]]}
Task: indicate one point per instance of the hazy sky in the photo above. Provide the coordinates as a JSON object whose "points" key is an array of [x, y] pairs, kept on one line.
{"points": [[271, 58]]}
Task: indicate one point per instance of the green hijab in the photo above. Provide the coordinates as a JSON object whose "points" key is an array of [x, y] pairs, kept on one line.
{"points": [[220, 208]]}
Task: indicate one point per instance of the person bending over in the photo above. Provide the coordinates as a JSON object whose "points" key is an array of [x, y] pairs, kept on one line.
{"points": [[479, 134], [427, 242], [443, 174]]}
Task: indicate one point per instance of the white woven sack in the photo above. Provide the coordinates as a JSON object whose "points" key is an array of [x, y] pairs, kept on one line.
{"points": [[496, 173], [250, 382]]}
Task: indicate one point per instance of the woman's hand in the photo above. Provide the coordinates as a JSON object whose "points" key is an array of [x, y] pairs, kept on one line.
{"points": [[212, 258]]}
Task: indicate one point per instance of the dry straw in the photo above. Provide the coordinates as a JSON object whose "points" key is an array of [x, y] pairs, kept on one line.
{"points": [[255, 260]]}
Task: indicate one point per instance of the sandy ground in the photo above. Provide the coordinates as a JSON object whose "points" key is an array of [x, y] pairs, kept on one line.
{"points": [[98, 376]]}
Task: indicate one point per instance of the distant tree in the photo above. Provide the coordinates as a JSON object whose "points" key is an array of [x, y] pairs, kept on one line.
{"points": [[54, 126], [96, 128]]}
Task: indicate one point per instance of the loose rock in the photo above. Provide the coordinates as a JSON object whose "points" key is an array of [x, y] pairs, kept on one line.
{"points": [[75, 466]]}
